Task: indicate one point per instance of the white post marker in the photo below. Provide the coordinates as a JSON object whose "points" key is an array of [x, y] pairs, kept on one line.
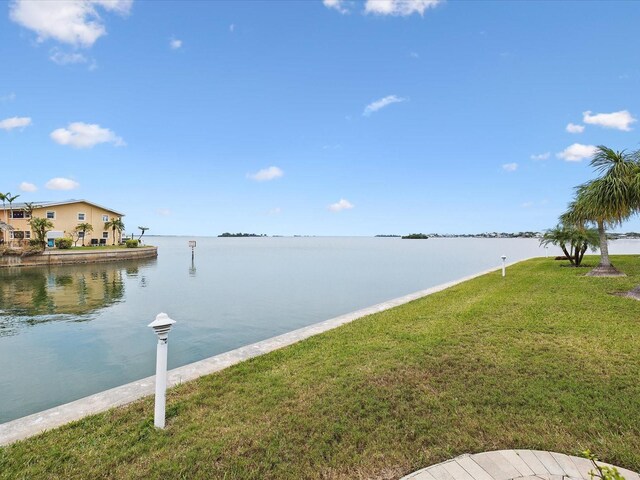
{"points": [[161, 326], [504, 266], [192, 245], [546, 251]]}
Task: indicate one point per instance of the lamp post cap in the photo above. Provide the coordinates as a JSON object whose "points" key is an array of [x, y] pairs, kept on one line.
{"points": [[504, 257], [161, 322]]}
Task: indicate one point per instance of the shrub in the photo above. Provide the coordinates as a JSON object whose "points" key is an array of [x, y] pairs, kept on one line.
{"points": [[131, 243], [34, 242], [63, 243]]}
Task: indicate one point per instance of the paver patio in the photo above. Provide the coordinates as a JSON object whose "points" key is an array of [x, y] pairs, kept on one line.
{"points": [[513, 464]]}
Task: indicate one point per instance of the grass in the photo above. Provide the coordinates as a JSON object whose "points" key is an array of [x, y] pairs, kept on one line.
{"points": [[544, 359]]}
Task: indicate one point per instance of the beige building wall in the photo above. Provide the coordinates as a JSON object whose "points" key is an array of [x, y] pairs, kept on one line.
{"points": [[65, 219]]}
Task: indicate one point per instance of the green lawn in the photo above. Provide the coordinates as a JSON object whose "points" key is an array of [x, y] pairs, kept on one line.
{"points": [[544, 359]]}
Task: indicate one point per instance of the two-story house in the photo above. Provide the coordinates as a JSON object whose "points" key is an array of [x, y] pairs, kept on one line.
{"points": [[65, 217]]}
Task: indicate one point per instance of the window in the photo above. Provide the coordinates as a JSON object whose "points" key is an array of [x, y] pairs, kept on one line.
{"points": [[51, 215], [80, 234], [17, 214], [17, 234], [27, 234], [81, 217], [105, 218], [105, 234]]}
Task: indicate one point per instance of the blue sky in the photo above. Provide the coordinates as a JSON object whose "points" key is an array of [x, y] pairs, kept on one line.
{"points": [[312, 117]]}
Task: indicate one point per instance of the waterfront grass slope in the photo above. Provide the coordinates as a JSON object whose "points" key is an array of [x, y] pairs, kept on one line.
{"points": [[545, 358]]}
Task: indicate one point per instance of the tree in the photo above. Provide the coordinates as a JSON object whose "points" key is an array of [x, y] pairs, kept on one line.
{"points": [[142, 230], [608, 200], [40, 227], [114, 224], [573, 241], [3, 197], [10, 199], [29, 207], [84, 228]]}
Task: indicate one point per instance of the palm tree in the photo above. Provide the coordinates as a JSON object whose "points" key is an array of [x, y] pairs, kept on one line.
{"points": [[84, 228], [608, 200], [114, 224], [40, 227], [10, 199], [29, 207], [3, 197], [573, 241], [142, 230]]}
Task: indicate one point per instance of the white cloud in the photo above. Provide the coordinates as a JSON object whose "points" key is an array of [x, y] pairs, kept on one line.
{"points": [[527, 205], [75, 22], [414, 55], [340, 205], [381, 103], [338, 5], [540, 156], [8, 98], [573, 128], [60, 183], [577, 152], [85, 135], [510, 167], [15, 122], [163, 212], [65, 58], [266, 174], [175, 43], [618, 120], [275, 211], [399, 7], [232, 27], [28, 187]]}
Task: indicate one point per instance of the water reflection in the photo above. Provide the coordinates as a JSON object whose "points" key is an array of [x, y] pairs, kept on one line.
{"points": [[192, 268], [37, 295]]}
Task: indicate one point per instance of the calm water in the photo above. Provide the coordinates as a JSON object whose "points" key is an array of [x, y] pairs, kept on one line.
{"points": [[68, 332]]}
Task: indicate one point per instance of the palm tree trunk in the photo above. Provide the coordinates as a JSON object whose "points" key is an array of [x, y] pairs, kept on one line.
{"points": [[604, 248], [567, 254], [582, 251]]}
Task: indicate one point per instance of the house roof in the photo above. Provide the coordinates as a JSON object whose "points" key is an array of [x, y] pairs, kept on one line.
{"points": [[21, 206]]}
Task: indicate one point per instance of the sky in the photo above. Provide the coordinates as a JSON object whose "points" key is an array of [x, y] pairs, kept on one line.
{"points": [[316, 117]]}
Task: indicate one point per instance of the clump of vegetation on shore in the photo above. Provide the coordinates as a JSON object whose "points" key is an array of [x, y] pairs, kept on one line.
{"points": [[227, 234], [545, 358], [416, 236]]}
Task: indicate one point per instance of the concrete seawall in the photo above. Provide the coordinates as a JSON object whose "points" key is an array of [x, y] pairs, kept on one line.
{"points": [[69, 257]]}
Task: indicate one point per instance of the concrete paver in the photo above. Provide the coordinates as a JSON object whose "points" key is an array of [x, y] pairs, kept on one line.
{"points": [[514, 459], [496, 465], [567, 465], [532, 462], [475, 470], [549, 462]]}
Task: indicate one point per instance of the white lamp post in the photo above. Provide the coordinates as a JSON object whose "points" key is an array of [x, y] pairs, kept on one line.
{"points": [[504, 266], [546, 251], [161, 326]]}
